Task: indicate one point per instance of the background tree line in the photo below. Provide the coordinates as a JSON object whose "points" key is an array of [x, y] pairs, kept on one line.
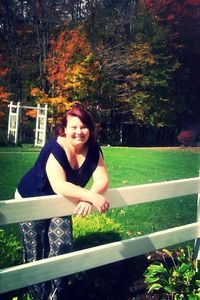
{"points": [[134, 63]]}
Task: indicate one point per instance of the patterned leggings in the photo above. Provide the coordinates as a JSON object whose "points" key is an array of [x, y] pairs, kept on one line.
{"points": [[42, 239]]}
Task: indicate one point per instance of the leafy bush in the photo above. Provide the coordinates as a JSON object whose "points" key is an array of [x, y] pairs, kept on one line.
{"points": [[177, 281], [10, 249], [187, 137]]}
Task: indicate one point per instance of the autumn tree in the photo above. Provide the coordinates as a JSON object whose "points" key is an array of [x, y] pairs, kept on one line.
{"points": [[70, 65], [72, 72], [182, 20], [133, 60], [25, 33], [4, 93], [160, 105], [137, 73]]}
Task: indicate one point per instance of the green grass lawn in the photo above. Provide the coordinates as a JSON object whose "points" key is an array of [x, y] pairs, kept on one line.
{"points": [[126, 166], [130, 166]]}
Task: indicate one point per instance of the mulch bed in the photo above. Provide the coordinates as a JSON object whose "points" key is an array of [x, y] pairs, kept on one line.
{"points": [[122, 280]]}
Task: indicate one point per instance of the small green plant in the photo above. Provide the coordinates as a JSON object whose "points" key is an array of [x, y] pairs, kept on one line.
{"points": [[11, 254], [176, 278], [10, 249]]}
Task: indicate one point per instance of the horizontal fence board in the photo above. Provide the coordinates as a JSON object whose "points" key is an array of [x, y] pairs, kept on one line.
{"points": [[143, 193], [31, 273], [14, 211]]}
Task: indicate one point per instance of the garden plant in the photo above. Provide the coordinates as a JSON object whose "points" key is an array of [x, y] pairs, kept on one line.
{"points": [[176, 277]]}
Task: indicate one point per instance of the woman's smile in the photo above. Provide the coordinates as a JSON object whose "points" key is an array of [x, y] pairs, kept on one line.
{"points": [[76, 131]]}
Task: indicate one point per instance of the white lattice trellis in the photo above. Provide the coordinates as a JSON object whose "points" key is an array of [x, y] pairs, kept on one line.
{"points": [[41, 122]]}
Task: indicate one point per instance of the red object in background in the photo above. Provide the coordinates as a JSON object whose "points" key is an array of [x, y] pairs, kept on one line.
{"points": [[187, 137]]}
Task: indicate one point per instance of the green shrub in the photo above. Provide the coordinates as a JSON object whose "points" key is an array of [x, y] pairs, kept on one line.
{"points": [[176, 278], [10, 249]]}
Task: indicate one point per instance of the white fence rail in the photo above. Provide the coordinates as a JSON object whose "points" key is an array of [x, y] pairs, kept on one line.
{"points": [[14, 211]]}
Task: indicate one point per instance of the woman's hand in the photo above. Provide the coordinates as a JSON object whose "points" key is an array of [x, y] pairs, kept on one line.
{"points": [[83, 209], [100, 202]]}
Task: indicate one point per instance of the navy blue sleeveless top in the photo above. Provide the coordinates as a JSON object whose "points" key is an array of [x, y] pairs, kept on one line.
{"points": [[35, 182]]}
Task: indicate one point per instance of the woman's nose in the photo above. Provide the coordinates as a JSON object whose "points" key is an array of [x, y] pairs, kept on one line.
{"points": [[78, 130]]}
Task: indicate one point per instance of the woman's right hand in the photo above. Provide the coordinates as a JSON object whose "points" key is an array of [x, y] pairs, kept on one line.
{"points": [[83, 209]]}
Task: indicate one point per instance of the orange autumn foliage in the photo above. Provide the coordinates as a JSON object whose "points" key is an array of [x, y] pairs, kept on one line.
{"points": [[31, 113], [72, 69], [58, 103], [68, 48], [4, 94], [72, 72]]}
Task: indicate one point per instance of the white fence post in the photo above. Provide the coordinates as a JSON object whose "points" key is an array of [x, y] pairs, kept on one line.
{"points": [[13, 121], [9, 119], [17, 122], [37, 125], [197, 241], [45, 124], [41, 125]]}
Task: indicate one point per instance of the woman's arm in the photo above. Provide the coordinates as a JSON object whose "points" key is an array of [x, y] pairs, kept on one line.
{"points": [[60, 185], [99, 186], [100, 177]]}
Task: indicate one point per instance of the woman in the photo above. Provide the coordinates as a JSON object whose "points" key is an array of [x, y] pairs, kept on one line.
{"points": [[64, 166]]}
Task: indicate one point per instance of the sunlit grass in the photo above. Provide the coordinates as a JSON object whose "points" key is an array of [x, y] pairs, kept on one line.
{"points": [[126, 166]]}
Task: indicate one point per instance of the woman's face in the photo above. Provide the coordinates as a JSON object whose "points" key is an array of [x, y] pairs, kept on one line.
{"points": [[76, 132]]}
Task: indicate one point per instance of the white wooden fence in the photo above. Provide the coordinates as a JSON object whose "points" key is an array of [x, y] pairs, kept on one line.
{"points": [[14, 211]]}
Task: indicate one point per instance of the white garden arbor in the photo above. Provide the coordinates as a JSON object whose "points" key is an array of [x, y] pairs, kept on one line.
{"points": [[41, 122]]}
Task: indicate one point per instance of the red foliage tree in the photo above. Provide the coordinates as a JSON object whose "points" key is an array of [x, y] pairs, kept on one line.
{"points": [[181, 19], [68, 48], [71, 72], [4, 94]]}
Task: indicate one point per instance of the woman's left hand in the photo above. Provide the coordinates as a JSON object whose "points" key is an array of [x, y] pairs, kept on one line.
{"points": [[83, 209]]}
